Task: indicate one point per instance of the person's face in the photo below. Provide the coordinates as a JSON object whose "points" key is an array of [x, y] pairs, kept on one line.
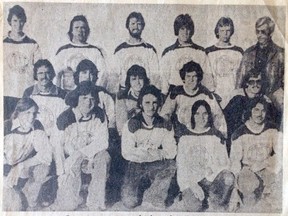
{"points": [[86, 103], [201, 117], [44, 76], [184, 34], [224, 34], [135, 27], [16, 24], [136, 83], [263, 34], [254, 85], [149, 105], [27, 118], [79, 31], [191, 80], [85, 75], [258, 113]]}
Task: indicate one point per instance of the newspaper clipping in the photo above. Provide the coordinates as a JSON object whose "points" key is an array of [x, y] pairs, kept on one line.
{"points": [[143, 109]]}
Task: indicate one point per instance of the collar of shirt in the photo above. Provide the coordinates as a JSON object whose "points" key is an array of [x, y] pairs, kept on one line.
{"points": [[79, 116], [16, 125], [52, 91], [22, 38], [266, 48], [189, 43], [133, 44], [131, 95]]}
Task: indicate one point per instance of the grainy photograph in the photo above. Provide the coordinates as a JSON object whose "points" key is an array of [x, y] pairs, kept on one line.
{"points": [[143, 107]]}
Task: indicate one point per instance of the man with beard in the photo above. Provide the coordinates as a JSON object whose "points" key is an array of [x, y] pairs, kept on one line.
{"points": [[253, 86], [265, 56], [134, 51], [68, 56]]}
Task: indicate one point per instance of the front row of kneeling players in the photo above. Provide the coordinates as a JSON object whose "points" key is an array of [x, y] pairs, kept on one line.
{"points": [[77, 139]]}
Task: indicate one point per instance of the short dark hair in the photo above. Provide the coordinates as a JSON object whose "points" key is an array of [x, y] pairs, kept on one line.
{"points": [[84, 88], [150, 89], [224, 21], [190, 67], [86, 64], [136, 70], [19, 12], [22, 105], [136, 15], [47, 64], [183, 20], [255, 73], [75, 19], [251, 104], [194, 109]]}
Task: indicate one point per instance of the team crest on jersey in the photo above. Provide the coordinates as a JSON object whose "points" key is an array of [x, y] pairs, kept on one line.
{"points": [[82, 139], [199, 156], [181, 61], [18, 62], [46, 117], [225, 65], [74, 60], [258, 152], [132, 60]]}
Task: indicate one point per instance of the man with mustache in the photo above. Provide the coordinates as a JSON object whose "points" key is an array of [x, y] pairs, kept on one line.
{"points": [[50, 100], [253, 86], [265, 56], [256, 160], [134, 51], [69, 56]]}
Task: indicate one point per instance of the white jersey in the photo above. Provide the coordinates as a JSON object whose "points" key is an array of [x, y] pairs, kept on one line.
{"points": [[126, 55], [69, 56], [173, 59], [200, 156], [255, 150], [19, 58], [181, 103], [225, 62]]}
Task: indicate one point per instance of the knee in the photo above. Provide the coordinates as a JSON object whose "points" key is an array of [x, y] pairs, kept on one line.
{"points": [[102, 157], [129, 201], [248, 182], [41, 172], [228, 177]]}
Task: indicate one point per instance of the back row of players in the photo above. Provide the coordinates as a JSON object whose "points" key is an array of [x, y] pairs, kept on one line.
{"points": [[192, 96]]}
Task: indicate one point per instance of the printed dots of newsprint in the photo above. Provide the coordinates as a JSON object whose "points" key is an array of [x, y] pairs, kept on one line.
{"points": [[143, 107]]}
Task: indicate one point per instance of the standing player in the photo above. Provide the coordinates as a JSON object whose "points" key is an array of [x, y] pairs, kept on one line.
{"points": [[265, 56], [68, 56], [134, 51], [224, 58], [183, 51], [20, 53]]}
